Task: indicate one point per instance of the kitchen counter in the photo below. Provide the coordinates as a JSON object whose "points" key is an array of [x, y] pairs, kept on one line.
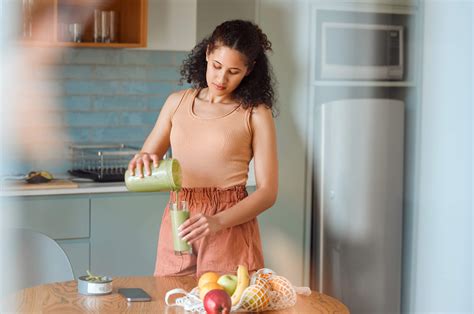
{"points": [[84, 188], [88, 186]]}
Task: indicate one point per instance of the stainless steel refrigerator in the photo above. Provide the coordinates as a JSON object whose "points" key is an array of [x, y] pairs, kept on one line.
{"points": [[357, 203]]}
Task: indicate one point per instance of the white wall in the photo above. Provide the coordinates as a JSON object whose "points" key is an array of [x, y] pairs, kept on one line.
{"points": [[285, 242], [211, 13], [171, 25], [177, 25], [438, 236]]}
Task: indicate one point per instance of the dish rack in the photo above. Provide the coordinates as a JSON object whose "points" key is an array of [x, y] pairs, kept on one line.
{"points": [[101, 163]]}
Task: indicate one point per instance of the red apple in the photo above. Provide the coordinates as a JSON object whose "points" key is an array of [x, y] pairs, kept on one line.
{"points": [[217, 302]]}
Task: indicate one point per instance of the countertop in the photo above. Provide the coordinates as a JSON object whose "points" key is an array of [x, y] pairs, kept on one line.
{"points": [[88, 186], [84, 188]]}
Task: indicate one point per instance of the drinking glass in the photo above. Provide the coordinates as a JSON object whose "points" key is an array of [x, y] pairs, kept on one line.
{"points": [[97, 26], [178, 216], [113, 26], [105, 27], [76, 31]]}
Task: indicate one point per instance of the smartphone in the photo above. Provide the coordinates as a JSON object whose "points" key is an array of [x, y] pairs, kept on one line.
{"points": [[134, 294]]}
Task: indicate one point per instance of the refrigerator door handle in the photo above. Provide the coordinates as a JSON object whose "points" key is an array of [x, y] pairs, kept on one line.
{"points": [[322, 241]]}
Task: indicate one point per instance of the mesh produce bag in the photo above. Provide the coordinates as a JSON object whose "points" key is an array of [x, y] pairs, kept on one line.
{"points": [[267, 291]]}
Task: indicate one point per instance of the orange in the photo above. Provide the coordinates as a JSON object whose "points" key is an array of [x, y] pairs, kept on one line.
{"points": [[265, 274], [255, 298], [208, 277], [261, 281], [208, 287], [282, 286]]}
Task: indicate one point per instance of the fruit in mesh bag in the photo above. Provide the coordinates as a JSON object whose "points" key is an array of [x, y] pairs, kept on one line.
{"points": [[228, 282], [264, 273], [208, 287], [243, 281], [283, 287], [217, 302], [208, 277], [263, 281], [255, 298]]}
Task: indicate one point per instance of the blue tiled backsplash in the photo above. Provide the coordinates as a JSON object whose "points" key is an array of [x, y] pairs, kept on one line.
{"points": [[109, 96]]}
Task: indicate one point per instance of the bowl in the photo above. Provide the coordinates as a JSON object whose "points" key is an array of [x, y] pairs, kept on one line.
{"points": [[87, 287]]}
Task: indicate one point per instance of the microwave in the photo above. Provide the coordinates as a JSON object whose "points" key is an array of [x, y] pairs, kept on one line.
{"points": [[354, 51]]}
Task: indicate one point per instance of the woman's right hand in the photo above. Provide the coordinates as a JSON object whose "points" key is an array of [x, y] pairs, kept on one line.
{"points": [[142, 161]]}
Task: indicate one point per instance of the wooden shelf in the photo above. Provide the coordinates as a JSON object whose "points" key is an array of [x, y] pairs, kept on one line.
{"points": [[365, 83], [88, 3], [50, 20], [32, 43], [98, 45]]}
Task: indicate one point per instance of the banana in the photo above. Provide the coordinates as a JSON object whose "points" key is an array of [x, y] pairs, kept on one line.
{"points": [[243, 281]]}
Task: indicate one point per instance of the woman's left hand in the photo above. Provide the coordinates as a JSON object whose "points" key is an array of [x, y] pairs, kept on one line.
{"points": [[197, 227]]}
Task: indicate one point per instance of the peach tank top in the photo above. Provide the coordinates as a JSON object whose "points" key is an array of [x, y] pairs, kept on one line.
{"points": [[213, 152]]}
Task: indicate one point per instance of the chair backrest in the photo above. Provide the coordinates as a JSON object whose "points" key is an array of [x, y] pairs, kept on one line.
{"points": [[37, 259]]}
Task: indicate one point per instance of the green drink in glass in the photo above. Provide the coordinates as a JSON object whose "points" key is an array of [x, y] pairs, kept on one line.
{"points": [[178, 216]]}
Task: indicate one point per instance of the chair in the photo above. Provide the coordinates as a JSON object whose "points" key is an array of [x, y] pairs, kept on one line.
{"points": [[33, 258]]}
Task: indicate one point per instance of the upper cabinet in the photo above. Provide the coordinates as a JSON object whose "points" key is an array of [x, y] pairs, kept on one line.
{"points": [[402, 3], [84, 23], [178, 25]]}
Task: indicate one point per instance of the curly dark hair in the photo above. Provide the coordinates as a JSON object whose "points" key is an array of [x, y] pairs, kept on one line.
{"points": [[246, 37]]}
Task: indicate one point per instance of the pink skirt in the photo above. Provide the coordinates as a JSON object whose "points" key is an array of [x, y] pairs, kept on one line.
{"points": [[221, 252]]}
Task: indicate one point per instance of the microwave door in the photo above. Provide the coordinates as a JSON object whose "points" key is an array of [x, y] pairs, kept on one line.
{"points": [[361, 51]]}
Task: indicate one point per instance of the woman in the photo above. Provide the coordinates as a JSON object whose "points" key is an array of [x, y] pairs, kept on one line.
{"points": [[214, 129]]}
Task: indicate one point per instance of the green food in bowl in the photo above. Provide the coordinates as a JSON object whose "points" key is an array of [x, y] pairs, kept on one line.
{"points": [[93, 278]]}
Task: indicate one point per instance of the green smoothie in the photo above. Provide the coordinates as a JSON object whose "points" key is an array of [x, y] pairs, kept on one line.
{"points": [[165, 177], [177, 218]]}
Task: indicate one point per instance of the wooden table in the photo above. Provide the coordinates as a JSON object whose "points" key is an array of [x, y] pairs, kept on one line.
{"points": [[64, 298]]}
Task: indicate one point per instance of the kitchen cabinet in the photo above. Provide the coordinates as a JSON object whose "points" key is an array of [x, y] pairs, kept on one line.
{"points": [[178, 25], [114, 233], [78, 253], [110, 233], [48, 22], [63, 218], [124, 232]]}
